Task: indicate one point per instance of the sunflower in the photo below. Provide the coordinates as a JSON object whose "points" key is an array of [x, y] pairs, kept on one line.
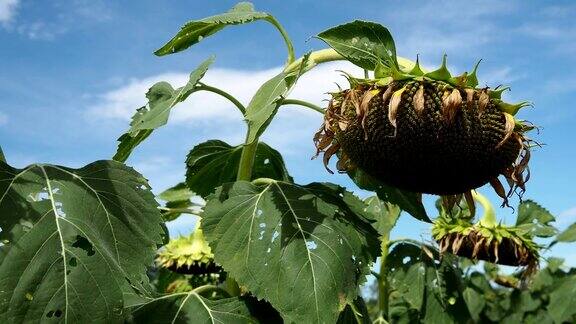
{"points": [[428, 133]]}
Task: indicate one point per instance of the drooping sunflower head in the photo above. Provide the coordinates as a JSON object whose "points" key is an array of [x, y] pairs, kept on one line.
{"points": [[486, 239], [188, 255], [427, 133]]}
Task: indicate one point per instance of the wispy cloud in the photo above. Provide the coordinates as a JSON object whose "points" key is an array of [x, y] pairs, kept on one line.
{"points": [[211, 111], [57, 17], [7, 11]]}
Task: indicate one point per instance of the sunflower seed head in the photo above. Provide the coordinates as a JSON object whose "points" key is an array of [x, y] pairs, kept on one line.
{"points": [[393, 106], [483, 101], [451, 104], [508, 128], [418, 100]]}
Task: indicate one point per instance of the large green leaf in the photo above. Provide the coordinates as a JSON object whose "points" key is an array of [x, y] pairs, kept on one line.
{"points": [[408, 201], [2, 157], [76, 242], [162, 97], [304, 254], [535, 219], [568, 235], [363, 43], [194, 31], [192, 308], [212, 163]]}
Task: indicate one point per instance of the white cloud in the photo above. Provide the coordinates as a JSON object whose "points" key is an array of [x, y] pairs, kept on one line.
{"points": [[7, 10], [121, 103]]}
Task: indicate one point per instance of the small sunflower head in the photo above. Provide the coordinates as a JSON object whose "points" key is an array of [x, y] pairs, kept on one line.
{"points": [[427, 133], [499, 244], [486, 239], [188, 255]]}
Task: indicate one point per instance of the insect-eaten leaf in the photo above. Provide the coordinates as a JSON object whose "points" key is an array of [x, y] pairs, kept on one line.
{"points": [[194, 31], [535, 220], [214, 162], [302, 248], [76, 242], [424, 288], [363, 43], [162, 97]]}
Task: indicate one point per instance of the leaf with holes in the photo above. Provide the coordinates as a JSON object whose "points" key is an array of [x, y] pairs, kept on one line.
{"points": [[535, 220], [212, 163], [304, 254], [425, 286], [196, 30], [76, 241], [363, 43], [191, 307], [384, 214], [162, 97]]}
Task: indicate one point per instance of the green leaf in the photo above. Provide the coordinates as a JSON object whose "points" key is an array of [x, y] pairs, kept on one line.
{"points": [[562, 300], [176, 198], [429, 286], [2, 157], [535, 220], [383, 213], [194, 31], [355, 312], [284, 243], [475, 302], [407, 273], [161, 99], [568, 235], [76, 242], [191, 307], [406, 200], [266, 102], [213, 163], [363, 43]]}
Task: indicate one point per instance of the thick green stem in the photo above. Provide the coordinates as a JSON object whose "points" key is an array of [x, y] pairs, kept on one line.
{"points": [[247, 161], [383, 287], [489, 217], [289, 46], [304, 104], [222, 93]]}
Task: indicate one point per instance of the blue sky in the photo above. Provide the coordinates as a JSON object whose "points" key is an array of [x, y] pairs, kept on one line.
{"points": [[72, 73]]}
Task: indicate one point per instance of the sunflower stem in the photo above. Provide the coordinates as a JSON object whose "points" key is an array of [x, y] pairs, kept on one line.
{"points": [[222, 93], [304, 104], [287, 40], [489, 217], [383, 287]]}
